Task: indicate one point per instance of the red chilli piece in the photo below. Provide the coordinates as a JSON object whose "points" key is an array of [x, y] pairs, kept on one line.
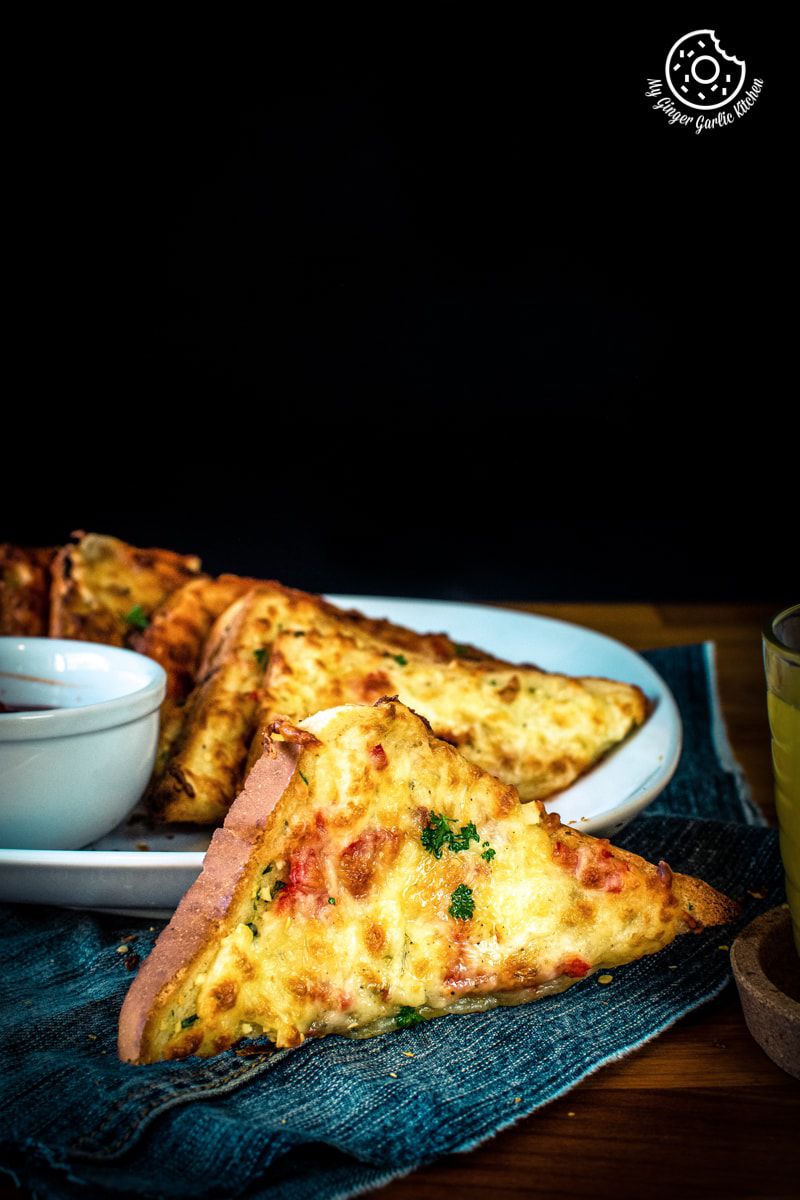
{"points": [[576, 968], [378, 756], [565, 856]]}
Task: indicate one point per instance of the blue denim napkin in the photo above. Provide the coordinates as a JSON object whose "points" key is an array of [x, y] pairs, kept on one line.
{"points": [[337, 1117]]}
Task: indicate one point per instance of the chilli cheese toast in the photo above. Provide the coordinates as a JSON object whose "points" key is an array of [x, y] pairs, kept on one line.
{"points": [[176, 637], [531, 728], [105, 590], [369, 877], [25, 590], [203, 750]]}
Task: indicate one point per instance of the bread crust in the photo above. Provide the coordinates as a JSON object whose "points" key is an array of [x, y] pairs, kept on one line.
{"points": [[204, 907], [703, 904]]}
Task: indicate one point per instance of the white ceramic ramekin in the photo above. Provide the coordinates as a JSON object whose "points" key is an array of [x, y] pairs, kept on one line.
{"points": [[70, 773]]}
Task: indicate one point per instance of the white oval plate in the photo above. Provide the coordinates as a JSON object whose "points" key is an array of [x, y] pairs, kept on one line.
{"points": [[144, 872]]}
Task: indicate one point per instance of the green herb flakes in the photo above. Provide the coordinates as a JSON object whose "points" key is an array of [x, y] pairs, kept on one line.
{"points": [[437, 834], [187, 1021], [261, 656], [137, 617], [331, 899], [252, 928], [400, 659], [302, 776], [408, 1017], [462, 906]]}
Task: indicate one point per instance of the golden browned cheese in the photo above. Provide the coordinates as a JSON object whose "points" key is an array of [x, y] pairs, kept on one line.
{"points": [[368, 876], [25, 590], [534, 729], [203, 752], [105, 590], [176, 637]]}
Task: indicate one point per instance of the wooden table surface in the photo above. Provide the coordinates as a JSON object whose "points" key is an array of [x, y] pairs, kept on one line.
{"points": [[699, 1112]]}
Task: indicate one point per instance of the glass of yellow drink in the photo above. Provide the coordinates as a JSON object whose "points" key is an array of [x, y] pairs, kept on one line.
{"points": [[782, 667]]}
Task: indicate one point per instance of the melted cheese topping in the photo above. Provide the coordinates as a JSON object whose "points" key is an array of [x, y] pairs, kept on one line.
{"points": [[344, 920]]}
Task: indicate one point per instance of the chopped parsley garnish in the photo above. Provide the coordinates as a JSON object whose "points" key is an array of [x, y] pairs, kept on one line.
{"points": [[137, 617], [408, 1017], [252, 928], [187, 1021], [437, 834], [488, 854], [331, 899], [302, 776], [462, 906], [268, 868], [299, 633], [278, 887], [261, 656], [400, 659], [462, 651]]}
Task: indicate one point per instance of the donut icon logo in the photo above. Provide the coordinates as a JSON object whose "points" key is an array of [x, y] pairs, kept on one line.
{"points": [[700, 74]]}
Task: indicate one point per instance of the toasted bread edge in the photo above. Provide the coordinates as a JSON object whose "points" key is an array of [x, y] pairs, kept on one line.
{"points": [[203, 909]]}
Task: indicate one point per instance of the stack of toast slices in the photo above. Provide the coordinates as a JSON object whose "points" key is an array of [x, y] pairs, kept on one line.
{"points": [[242, 653]]}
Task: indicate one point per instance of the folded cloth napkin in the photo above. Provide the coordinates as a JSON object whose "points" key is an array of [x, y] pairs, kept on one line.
{"points": [[337, 1117]]}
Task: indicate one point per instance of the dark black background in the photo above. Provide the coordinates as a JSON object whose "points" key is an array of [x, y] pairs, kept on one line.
{"points": [[427, 303]]}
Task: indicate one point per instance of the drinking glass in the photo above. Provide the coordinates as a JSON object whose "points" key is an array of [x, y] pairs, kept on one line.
{"points": [[782, 667]]}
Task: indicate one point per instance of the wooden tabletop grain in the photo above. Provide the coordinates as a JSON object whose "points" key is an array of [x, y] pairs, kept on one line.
{"points": [[701, 1111]]}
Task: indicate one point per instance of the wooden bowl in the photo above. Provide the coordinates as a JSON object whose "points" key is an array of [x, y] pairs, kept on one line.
{"points": [[767, 970]]}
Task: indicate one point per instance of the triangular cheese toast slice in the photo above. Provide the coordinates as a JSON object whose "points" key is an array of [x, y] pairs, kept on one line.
{"points": [[105, 590], [369, 877], [532, 728]]}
